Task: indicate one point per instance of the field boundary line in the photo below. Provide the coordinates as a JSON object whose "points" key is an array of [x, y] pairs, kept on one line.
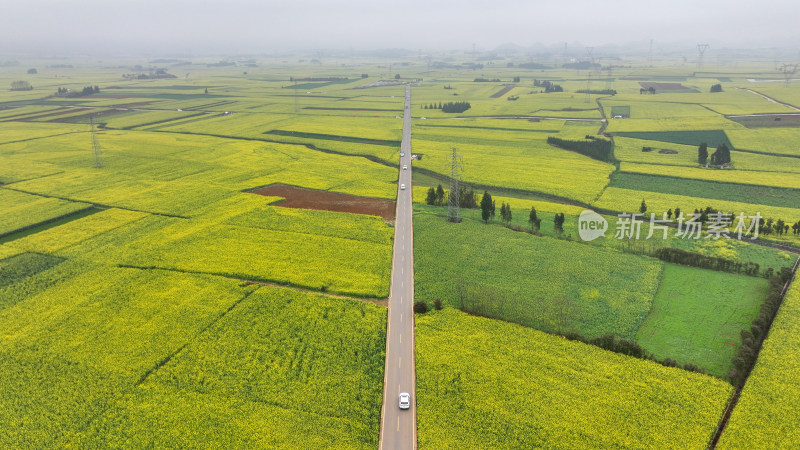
{"points": [[40, 137], [371, 158], [160, 363], [268, 283], [47, 222], [97, 205], [169, 357]]}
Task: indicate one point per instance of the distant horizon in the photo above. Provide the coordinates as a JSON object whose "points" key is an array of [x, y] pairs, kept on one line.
{"points": [[577, 50], [50, 27]]}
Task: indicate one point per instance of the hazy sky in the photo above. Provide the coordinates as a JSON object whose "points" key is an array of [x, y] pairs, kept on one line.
{"points": [[200, 26]]}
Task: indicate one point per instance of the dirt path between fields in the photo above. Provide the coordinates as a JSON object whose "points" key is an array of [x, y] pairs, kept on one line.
{"points": [[768, 98]]}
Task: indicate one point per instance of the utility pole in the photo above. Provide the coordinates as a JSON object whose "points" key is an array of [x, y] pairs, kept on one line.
{"points": [[453, 204], [98, 161]]}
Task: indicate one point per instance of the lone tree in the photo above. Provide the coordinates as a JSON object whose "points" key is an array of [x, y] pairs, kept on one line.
{"points": [[486, 206], [439, 195], [721, 156], [32, 71], [558, 223], [643, 207], [534, 220], [702, 154], [431, 198], [505, 212], [716, 88]]}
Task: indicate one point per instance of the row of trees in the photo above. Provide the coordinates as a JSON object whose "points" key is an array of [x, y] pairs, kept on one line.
{"points": [[686, 258], [21, 85], [764, 226], [548, 86], [753, 338], [438, 197], [450, 107], [88, 90], [599, 149], [720, 157], [630, 348], [597, 91], [488, 213]]}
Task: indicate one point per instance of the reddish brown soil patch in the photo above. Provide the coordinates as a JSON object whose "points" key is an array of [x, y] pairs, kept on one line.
{"points": [[503, 91], [665, 86], [296, 197]]}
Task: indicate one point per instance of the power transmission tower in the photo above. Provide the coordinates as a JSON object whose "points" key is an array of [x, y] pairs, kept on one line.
{"points": [[589, 51], [788, 71], [98, 161], [701, 50], [453, 204], [296, 108]]}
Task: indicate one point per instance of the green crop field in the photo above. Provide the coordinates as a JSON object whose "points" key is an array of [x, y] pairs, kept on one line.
{"points": [[529, 280], [758, 178], [697, 316], [499, 385], [691, 137], [767, 195]]}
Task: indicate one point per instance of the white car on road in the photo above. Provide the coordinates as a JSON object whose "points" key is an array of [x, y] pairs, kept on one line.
{"points": [[405, 400], [405, 167], [402, 186]]}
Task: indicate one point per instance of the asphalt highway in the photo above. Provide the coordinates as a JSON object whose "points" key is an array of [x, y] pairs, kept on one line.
{"points": [[399, 426]]}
